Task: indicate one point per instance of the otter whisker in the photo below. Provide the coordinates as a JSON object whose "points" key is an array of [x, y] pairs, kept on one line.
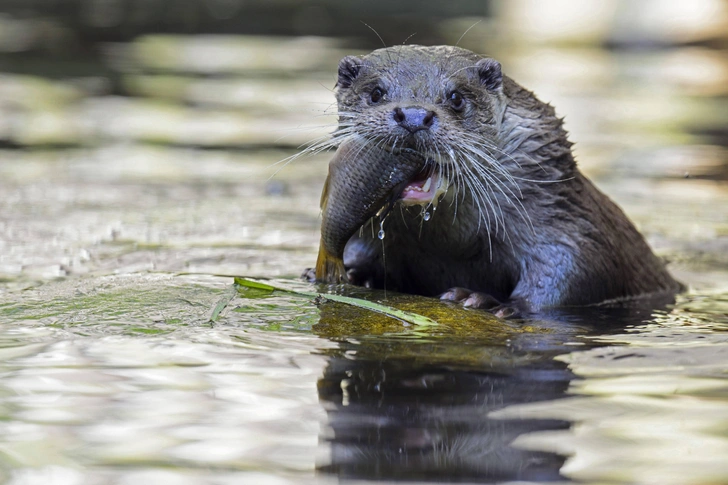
{"points": [[484, 201], [466, 31], [309, 151], [458, 71], [482, 213], [492, 162], [510, 196], [515, 160]]}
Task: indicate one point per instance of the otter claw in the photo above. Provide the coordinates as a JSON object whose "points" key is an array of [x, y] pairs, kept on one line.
{"points": [[456, 294], [503, 311], [470, 299], [482, 301]]}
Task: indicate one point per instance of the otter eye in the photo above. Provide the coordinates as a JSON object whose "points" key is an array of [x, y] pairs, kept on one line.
{"points": [[376, 95], [456, 100]]}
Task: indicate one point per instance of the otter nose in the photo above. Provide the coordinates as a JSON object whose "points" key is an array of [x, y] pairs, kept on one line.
{"points": [[414, 118]]}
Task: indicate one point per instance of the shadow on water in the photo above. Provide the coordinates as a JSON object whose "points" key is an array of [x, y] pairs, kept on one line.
{"points": [[418, 408]]}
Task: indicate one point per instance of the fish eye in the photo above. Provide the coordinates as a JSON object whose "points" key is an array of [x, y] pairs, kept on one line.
{"points": [[376, 95], [456, 100]]}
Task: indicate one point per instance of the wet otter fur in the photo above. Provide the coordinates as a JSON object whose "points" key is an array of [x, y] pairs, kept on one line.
{"points": [[514, 224]]}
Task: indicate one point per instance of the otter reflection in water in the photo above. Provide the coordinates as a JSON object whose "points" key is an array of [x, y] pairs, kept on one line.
{"points": [[418, 409], [451, 179], [390, 419]]}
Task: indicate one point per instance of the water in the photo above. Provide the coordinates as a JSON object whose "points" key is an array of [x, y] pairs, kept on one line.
{"points": [[127, 356]]}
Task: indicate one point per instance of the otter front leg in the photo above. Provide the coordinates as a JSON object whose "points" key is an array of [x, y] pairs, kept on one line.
{"points": [[543, 285]]}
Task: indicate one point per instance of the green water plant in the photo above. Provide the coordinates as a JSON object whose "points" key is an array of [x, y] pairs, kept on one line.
{"points": [[420, 321]]}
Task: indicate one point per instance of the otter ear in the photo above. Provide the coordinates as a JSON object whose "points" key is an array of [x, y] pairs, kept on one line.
{"points": [[490, 73], [349, 68]]}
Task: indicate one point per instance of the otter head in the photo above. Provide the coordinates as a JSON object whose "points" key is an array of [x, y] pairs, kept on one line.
{"points": [[445, 103], [414, 123]]}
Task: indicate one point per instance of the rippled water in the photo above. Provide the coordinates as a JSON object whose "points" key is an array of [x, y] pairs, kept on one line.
{"points": [[128, 356]]}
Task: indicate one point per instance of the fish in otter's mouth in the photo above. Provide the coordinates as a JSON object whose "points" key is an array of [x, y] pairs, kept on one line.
{"points": [[366, 180], [425, 188]]}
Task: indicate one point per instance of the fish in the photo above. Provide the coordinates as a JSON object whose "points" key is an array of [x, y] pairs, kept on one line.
{"points": [[364, 178]]}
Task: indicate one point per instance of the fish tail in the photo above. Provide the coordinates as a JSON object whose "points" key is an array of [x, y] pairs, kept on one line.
{"points": [[329, 268]]}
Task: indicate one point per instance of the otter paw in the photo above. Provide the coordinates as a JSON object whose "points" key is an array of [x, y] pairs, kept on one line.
{"points": [[470, 299], [456, 294], [481, 300], [309, 274], [504, 311]]}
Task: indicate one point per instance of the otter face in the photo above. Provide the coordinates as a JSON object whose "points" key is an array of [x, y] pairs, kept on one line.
{"points": [[444, 103], [419, 97]]}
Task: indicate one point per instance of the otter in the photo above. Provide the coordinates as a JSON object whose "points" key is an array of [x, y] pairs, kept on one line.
{"points": [[452, 180]]}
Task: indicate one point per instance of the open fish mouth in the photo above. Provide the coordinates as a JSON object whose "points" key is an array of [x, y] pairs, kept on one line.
{"points": [[425, 187]]}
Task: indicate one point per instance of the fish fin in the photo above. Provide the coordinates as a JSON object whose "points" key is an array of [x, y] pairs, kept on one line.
{"points": [[329, 268], [325, 193]]}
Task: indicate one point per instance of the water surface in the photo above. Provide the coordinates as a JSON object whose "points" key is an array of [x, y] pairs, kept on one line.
{"points": [[124, 218]]}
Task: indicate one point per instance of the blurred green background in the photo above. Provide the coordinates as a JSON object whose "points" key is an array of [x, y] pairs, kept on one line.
{"points": [[251, 68]]}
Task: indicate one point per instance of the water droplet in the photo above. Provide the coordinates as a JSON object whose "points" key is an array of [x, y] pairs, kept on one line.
{"points": [[380, 234], [426, 216]]}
